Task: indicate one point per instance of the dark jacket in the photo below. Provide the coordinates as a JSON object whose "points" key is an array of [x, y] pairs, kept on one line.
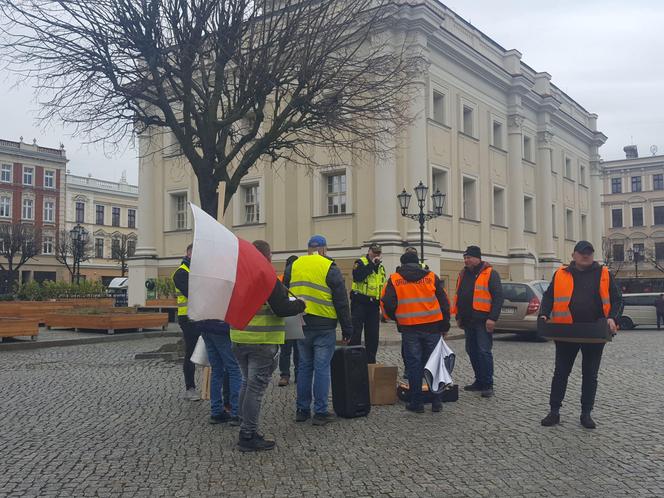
{"points": [[465, 312], [281, 304], [181, 277], [412, 272], [659, 305], [335, 281], [360, 274], [586, 303]]}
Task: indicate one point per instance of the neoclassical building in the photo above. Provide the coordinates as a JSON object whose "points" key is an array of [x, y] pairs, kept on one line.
{"points": [[516, 158]]}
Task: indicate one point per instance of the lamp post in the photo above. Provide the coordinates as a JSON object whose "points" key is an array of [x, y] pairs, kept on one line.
{"points": [[79, 237], [634, 254], [421, 190]]}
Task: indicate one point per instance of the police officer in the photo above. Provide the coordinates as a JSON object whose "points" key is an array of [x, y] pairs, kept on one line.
{"points": [[368, 281], [581, 292]]}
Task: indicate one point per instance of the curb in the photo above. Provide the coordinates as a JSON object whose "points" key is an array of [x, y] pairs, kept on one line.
{"points": [[128, 336]]}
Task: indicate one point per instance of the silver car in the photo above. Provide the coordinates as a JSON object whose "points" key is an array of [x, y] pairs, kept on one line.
{"points": [[521, 307]]}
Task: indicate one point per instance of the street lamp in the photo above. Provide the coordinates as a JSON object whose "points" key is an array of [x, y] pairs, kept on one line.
{"points": [[634, 254], [421, 190], [79, 238]]}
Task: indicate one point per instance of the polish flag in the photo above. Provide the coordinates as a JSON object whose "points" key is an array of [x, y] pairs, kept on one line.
{"points": [[229, 278]]}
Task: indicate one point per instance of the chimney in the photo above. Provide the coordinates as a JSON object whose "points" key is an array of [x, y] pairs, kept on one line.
{"points": [[631, 151]]}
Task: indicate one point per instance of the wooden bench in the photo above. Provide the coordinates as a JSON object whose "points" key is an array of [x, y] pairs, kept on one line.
{"points": [[18, 327], [39, 309], [110, 322]]}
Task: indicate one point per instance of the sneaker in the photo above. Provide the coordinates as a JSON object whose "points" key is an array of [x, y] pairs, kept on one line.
{"points": [[222, 418], [415, 408], [323, 419], [587, 421], [255, 443], [284, 381], [473, 387], [551, 419], [301, 416], [235, 421], [488, 392], [191, 394], [436, 407]]}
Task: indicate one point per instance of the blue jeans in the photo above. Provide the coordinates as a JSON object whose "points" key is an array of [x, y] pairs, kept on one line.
{"points": [[285, 358], [316, 350], [478, 347], [416, 349], [216, 335]]}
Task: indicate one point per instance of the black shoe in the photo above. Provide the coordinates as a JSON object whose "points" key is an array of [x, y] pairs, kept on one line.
{"points": [[301, 416], [436, 407], [255, 443], [415, 408], [487, 392], [551, 419], [235, 421], [222, 418], [323, 419], [587, 421], [473, 387]]}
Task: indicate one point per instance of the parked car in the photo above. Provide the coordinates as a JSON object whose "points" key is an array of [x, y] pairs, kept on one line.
{"points": [[521, 306], [638, 311]]}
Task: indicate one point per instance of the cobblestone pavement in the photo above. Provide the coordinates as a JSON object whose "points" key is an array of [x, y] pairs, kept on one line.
{"points": [[90, 420]]}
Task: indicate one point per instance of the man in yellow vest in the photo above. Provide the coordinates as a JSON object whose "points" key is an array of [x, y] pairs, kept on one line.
{"points": [[318, 281], [189, 331], [582, 292], [477, 305], [256, 349], [368, 281]]}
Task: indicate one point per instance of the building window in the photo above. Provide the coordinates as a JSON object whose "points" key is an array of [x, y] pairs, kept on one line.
{"points": [[336, 194], [658, 215], [179, 211], [438, 107], [497, 138], [584, 227], [618, 252], [616, 218], [527, 148], [568, 168], [439, 183], [115, 248], [115, 216], [468, 120], [658, 182], [659, 251], [47, 244], [99, 214], [529, 214], [637, 217], [131, 218], [6, 173], [582, 174], [49, 179], [469, 198], [616, 185], [99, 247], [131, 248], [28, 175], [499, 206], [636, 184], [28, 212], [569, 224], [5, 206], [554, 228], [49, 211], [251, 203], [80, 212]]}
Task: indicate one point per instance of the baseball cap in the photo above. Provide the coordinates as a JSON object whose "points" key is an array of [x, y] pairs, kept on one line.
{"points": [[473, 251], [375, 248], [584, 246], [317, 241]]}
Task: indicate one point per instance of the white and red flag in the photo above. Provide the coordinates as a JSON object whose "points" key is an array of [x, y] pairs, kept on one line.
{"points": [[229, 279]]}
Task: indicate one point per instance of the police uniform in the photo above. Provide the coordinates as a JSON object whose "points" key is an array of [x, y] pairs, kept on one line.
{"points": [[368, 283], [189, 330]]}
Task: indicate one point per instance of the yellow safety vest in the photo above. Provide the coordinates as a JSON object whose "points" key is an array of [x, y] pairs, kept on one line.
{"points": [[308, 282], [181, 298], [373, 284], [264, 328]]}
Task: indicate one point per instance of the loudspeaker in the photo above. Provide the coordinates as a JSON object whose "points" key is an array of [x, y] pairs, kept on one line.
{"points": [[350, 382]]}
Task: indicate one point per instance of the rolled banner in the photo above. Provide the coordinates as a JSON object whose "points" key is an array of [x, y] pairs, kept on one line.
{"points": [[200, 356]]}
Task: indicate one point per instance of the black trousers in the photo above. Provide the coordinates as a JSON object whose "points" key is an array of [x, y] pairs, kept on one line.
{"points": [[660, 318], [366, 315], [190, 335], [565, 355]]}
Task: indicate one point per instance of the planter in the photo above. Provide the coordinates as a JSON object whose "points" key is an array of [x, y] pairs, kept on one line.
{"points": [[110, 322], [39, 309], [171, 301], [18, 327]]}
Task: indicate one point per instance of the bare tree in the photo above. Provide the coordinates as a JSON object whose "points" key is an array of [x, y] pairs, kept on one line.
{"points": [[72, 253], [613, 261], [19, 243], [232, 81], [122, 248]]}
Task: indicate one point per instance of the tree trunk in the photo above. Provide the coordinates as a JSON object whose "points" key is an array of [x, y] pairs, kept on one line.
{"points": [[207, 191]]}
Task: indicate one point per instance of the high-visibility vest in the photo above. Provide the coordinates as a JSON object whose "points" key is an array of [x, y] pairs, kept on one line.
{"points": [[182, 300], [416, 301], [308, 282], [563, 288], [373, 284], [264, 328], [280, 278], [481, 296]]}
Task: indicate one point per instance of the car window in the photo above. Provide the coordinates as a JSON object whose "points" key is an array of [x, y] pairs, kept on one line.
{"points": [[517, 293], [638, 300]]}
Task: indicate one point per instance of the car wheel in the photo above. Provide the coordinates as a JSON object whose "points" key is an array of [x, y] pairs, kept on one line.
{"points": [[625, 323]]}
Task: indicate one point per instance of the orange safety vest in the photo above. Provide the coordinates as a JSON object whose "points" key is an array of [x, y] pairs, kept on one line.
{"points": [[280, 278], [481, 296], [563, 287], [416, 301]]}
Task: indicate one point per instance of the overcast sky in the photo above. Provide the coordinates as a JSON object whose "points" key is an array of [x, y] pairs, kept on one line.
{"points": [[607, 55]]}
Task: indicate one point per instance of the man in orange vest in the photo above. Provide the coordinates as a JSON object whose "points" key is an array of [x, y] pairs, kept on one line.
{"points": [[477, 304], [582, 292], [415, 298]]}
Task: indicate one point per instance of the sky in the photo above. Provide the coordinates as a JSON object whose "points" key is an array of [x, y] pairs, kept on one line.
{"points": [[607, 55]]}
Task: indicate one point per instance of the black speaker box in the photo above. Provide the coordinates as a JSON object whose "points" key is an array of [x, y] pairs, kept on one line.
{"points": [[350, 382]]}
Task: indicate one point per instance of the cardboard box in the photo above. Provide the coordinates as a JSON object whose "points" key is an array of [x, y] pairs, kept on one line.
{"points": [[382, 384]]}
